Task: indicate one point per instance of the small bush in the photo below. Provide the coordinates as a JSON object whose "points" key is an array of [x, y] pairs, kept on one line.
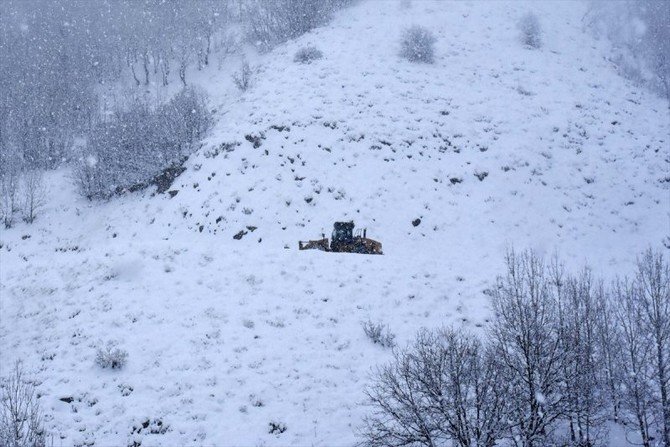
{"points": [[531, 31], [276, 428], [20, 413], [417, 45], [306, 55], [153, 426], [242, 78], [379, 334], [109, 357]]}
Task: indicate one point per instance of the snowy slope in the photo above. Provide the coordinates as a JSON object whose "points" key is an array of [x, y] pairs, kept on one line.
{"points": [[494, 145]]}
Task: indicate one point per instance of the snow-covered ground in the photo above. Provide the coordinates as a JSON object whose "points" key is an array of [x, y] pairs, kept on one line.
{"points": [[494, 145]]}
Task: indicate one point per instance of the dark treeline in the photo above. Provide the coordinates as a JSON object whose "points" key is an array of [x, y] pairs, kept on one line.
{"points": [[563, 355]]}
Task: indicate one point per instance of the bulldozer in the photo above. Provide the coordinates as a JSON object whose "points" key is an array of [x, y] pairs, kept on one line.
{"points": [[344, 240]]}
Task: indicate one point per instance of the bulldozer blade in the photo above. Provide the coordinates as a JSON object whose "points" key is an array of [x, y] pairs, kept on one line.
{"points": [[321, 244]]}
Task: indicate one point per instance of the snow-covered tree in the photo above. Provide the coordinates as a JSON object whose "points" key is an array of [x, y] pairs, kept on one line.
{"points": [[529, 349], [33, 192], [585, 394], [11, 166], [652, 293], [21, 418], [636, 363], [445, 388]]}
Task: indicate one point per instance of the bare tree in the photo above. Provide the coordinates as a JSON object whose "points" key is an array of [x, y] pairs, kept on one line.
{"points": [[20, 414], [400, 417], [637, 393], [34, 193], [583, 370], [471, 400], [529, 350], [10, 175], [445, 388], [653, 296], [608, 340]]}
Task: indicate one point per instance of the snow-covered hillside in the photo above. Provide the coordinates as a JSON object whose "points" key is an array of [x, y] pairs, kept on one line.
{"points": [[494, 145]]}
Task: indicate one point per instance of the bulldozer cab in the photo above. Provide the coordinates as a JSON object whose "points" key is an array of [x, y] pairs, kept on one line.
{"points": [[343, 232]]}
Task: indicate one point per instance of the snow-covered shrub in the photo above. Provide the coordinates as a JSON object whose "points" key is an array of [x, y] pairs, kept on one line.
{"points": [[242, 78], [256, 401], [137, 144], [306, 55], [379, 334], [20, 414], [418, 45], [110, 357], [531, 31]]}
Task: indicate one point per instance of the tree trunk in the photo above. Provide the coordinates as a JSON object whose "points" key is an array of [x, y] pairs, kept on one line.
{"points": [[209, 49], [132, 70], [663, 382], [182, 71], [145, 62], [165, 70]]}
